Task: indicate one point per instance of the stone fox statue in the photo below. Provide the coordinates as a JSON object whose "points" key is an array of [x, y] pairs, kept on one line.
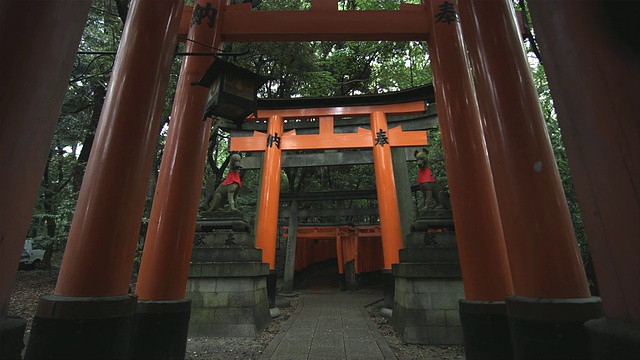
{"points": [[428, 184], [228, 189]]}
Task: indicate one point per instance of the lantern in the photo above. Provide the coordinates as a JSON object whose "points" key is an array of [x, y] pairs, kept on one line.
{"points": [[232, 91]]}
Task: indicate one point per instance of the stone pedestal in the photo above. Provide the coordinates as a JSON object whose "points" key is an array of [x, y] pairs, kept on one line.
{"points": [[227, 279], [11, 337], [613, 340], [428, 285], [543, 328], [160, 329], [82, 328], [486, 330]]}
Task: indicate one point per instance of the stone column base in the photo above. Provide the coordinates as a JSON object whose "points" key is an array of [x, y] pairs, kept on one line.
{"points": [[160, 329], [82, 328], [426, 310], [613, 340], [228, 299], [272, 281], [12, 337], [544, 328], [485, 330], [389, 287]]}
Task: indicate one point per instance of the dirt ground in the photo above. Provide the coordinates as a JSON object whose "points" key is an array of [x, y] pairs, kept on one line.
{"points": [[32, 284]]}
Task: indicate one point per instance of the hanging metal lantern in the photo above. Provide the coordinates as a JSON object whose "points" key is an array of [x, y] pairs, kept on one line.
{"points": [[232, 91]]}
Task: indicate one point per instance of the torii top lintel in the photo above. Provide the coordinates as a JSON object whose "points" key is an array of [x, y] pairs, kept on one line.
{"points": [[322, 23], [327, 139]]}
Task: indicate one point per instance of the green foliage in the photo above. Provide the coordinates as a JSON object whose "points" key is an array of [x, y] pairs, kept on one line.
{"points": [[55, 205]]}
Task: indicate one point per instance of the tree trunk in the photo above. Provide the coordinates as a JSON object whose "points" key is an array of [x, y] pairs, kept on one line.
{"points": [[99, 92]]}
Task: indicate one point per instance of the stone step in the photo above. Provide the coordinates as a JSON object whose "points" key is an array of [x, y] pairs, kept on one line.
{"points": [[431, 270], [221, 237], [228, 269], [226, 253], [425, 238], [429, 254]]}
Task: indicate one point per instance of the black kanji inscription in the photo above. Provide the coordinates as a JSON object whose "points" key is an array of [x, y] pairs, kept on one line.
{"points": [[231, 240], [447, 13], [273, 139], [381, 138], [200, 13]]}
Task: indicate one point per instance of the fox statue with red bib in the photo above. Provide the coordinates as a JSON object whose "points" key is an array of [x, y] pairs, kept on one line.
{"points": [[228, 189], [429, 186]]}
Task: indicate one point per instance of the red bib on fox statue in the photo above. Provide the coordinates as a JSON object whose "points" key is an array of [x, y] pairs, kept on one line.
{"points": [[232, 177], [424, 176]]}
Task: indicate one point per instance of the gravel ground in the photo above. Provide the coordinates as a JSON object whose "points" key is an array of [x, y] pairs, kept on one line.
{"points": [[31, 284]]}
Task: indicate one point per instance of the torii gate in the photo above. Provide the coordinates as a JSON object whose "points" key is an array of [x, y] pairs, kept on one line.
{"points": [[379, 138], [497, 113]]}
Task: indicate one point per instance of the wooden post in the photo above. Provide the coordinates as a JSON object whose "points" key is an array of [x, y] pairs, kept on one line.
{"points": [[592, 65], [473, 196], [91, 294], [406, 207], [99, 254], [474, 204], [270, 192], [167, 252], [543, 253], [339, 251], [162, 309], [533, 207], [290, 260], [386, 189], [267, 232], [31, 95]]}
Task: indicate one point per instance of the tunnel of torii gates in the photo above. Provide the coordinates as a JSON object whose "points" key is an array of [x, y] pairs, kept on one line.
{"points": [[513, 229]]}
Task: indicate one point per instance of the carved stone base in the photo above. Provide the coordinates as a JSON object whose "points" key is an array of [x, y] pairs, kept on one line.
{"points": [[227, 280], [428, 285]]}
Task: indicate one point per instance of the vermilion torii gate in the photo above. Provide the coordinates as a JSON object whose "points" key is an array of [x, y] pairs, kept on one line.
{"points": [[513, 229], [380, 139]]}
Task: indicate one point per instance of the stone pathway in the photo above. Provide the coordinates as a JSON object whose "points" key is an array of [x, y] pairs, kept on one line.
{"points": [[330, 324]]}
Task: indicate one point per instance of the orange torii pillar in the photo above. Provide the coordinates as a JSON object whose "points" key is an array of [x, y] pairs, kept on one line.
{"points": [[552, 299], [591, 60], [31, 94], [162, 312], [481, 246], [267, 230], [390, 226], [91, 313]]}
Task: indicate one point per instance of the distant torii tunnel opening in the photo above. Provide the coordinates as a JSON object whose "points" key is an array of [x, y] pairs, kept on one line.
{"points": [[350, 250]]}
